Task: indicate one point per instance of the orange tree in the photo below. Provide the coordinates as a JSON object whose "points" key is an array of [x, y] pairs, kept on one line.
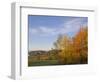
{"points": [[80, 44]]}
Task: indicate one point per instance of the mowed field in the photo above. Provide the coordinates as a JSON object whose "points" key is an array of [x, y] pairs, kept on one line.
{"points": [[43, 62], [33, 61]]}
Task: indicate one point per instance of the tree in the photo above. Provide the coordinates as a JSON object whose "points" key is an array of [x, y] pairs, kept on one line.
{"points": [[63, 43], [80, 44], [73, 50]]}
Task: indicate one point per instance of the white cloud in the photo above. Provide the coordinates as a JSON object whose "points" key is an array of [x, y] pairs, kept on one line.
{"points": [[32, 30], [43, 31], [46, 29], [71, 26]]}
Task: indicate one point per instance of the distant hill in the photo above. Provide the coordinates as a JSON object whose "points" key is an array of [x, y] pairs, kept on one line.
{"points": [[41, 52], [38, 52]]}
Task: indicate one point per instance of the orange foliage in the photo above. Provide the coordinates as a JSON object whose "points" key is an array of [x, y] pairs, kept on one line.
{"points": [[74, 50], [80, 44]]}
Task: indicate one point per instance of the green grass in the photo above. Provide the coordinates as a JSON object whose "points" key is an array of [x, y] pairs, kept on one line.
{"points": [[43, 62]]}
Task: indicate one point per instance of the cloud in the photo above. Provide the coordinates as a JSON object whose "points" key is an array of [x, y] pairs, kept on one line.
{"points": [[42, 31], [73, 26], [68, 27], [46, 29]]}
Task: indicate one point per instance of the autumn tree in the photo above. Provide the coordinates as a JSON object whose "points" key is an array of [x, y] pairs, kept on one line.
{"points": [[63, 43], [80, 44], [73, 50]]}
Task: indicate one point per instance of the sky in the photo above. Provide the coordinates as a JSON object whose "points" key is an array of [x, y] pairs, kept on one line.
{"points": [[44, 30]]}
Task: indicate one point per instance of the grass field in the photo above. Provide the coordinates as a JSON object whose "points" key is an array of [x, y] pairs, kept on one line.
{"points": [[43, 62]]}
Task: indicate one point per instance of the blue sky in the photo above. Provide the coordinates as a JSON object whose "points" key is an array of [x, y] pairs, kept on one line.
{"points": [[44, 30]]}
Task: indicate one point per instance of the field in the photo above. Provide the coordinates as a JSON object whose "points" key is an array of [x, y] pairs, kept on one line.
{"points": [[43, 62]]}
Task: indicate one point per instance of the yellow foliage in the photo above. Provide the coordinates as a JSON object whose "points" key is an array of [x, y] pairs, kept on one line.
{"points": [[73, 50]]}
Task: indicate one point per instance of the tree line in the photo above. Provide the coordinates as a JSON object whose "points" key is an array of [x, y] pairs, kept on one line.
{"points": [[73, 50]]}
